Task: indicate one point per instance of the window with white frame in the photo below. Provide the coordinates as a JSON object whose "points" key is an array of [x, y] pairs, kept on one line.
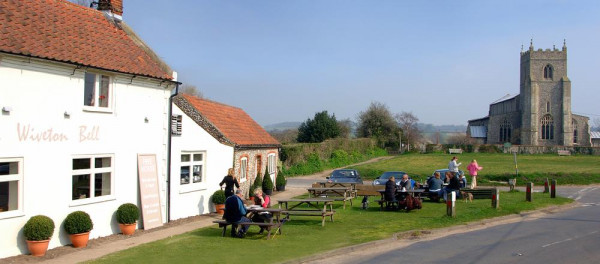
{"points": [[92, 176], [271, 163], [243, 168], [97, 90], [192, 167], [11, 185]]}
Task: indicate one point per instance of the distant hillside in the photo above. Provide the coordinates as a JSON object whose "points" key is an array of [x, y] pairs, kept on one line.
{"points": [[282, 126], [442, 128]]}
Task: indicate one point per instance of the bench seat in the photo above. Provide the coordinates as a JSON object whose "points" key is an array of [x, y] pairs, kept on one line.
{"points": [[323, 214], [268, 226], [479, 193]]}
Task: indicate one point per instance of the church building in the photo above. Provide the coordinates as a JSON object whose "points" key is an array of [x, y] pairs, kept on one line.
{"points": [[540, 115]]}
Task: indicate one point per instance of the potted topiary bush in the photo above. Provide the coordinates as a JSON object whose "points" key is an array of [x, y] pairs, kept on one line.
{"points": [[37, 231], [218, 198], [267, 184], [280, 181], [78, 225], [127, 216]]}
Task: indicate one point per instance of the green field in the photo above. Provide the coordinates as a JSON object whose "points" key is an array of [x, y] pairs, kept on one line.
{"points": [[577, 169], [304, 236]]}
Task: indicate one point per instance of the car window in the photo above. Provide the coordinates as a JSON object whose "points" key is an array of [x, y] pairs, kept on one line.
{"points": [[340, 174]]}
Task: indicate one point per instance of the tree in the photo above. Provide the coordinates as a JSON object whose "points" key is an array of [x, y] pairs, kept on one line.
{"points": [[408, 123], [320, 128], [345, 127], [377, 122], [285, 136], [191, 90]]}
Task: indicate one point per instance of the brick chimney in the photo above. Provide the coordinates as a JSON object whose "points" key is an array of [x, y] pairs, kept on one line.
{"points": [[114, 6]]}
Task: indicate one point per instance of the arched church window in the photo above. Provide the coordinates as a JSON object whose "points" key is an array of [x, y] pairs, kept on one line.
{"points": [[505, 131], [574, 123], [547, 127], [548, 72]]}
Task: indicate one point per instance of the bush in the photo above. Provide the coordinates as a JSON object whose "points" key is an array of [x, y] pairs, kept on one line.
{"points": [[78, 222], [39, 227], [128, 213], [218, 197], [280, 180], [267, 184]]}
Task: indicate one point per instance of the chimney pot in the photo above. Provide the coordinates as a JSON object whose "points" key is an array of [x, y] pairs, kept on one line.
{"points": [[114, 6]]}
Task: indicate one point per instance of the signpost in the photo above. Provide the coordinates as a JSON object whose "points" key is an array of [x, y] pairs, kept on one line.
{"points": [[148, 179]]}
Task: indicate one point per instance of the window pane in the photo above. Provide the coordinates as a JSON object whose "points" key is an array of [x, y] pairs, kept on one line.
{"points": [[185, 157], [104, 90], [197, 157], [185, 174], [9, 194], [102, 162], [7, 168], [81, 186], [81, 164], [197, 173], [89, 89], [102, 184]]}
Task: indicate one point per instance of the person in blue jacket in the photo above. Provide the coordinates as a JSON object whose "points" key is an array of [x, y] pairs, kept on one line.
{"points": [[235, 213]]}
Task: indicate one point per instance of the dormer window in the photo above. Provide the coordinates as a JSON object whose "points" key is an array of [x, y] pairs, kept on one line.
{"points": [[97, 90], [548, 71]]}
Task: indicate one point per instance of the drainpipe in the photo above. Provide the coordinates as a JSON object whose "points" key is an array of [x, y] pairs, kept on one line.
{"points": [[169, 152]]}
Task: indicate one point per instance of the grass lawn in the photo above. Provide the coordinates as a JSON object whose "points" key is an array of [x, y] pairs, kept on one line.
{"points": [[304, 236], [576, 169]]}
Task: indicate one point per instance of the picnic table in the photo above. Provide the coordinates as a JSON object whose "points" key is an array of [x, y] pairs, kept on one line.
{"points": [[414, 193], [274, 223], [292, 207], [337, 193]]}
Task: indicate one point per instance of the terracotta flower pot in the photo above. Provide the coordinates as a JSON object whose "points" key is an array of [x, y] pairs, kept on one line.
{"points": [[80, 240], [220, 208], [38, 248], [128, 229]]}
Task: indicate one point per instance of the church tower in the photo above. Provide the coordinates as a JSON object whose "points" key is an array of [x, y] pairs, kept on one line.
{"points": [[545, 97]]}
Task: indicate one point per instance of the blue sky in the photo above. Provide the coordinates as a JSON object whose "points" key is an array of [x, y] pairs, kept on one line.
{"points": [[445, 61]]}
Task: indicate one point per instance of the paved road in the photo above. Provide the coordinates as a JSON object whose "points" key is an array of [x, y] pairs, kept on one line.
{"points": [[571, 236]]}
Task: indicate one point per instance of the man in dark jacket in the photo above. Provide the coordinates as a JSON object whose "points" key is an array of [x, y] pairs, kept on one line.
{"points": [[235, 213], [390, 189]]}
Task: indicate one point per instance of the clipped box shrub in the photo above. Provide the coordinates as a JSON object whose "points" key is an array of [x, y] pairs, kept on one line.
{"points": [[78, 222], [128, 213], [38, 228]]}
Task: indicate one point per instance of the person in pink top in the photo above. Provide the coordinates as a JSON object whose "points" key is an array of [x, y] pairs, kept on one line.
{"points": [[264, 201], [473, 168]]}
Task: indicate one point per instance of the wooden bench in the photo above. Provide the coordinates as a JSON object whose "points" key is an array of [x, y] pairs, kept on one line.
{"points": [[322, 214], [455, 151], [479, 193], [268, 226], [563, 153]]}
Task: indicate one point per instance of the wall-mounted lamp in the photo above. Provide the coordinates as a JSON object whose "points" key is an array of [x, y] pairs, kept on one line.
{"points": [[7, 109], [146, 119], [67, 114]]}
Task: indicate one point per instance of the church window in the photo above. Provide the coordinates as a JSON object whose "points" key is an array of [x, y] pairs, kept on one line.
{"points": [[548, 72], [575, 131], [547, 127], [505, 131]]}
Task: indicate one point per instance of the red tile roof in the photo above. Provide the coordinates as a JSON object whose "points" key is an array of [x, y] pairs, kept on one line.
{"points": [[232, 122], [66, 32]]}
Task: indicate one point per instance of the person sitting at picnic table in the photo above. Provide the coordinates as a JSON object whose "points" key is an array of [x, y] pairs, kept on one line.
{"points": [[435, 185], [405, 184], [453, 185], [390, 190], [263, 201], [229, 180], [235, 213], [462, 179]]}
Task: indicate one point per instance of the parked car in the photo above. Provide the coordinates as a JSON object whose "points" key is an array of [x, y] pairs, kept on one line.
{"points": [[381, 180], [345, 176]]}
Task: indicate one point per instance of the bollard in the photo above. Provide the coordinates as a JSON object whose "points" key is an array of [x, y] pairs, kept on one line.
{"points": [[450, 203], [529, 189], [553, 189], [546, 189], [495, 198]]}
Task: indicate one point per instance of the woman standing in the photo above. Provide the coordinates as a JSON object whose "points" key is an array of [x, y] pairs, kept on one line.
{"points": [[229, 182], [473, 168]]}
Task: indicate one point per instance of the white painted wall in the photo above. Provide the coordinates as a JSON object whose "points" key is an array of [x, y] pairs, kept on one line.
{"points": [[39, 92], [187, 199]]}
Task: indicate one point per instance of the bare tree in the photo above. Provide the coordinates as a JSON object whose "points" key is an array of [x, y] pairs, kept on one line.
{"points": [[460, 139], [345, 127], [191, 90], [285, 136], [408, 123]]}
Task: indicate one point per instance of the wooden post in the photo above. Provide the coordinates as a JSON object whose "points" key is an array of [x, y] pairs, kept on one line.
{"points": [[450, 203], [553, 189], [529, 189], [495, 198], [546, 188]]}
